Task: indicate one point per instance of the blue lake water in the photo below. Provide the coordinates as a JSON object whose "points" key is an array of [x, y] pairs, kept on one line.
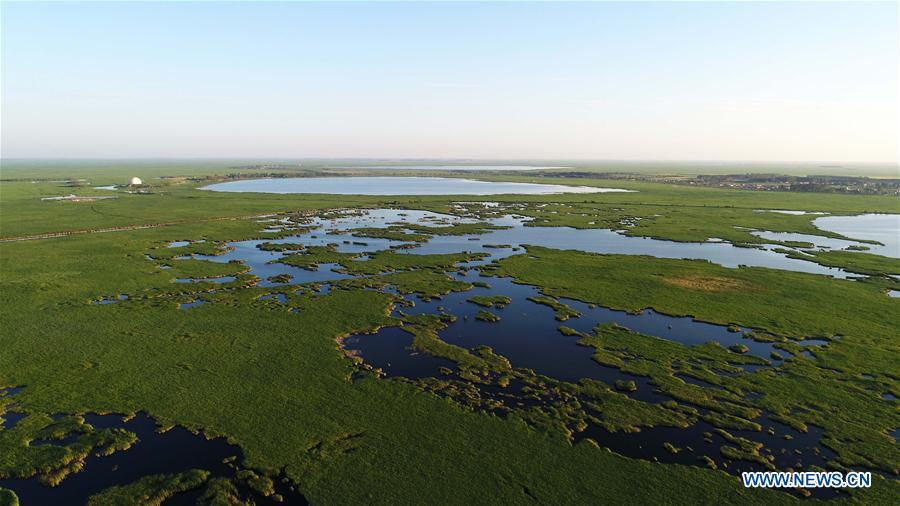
{"points": [[447, 167], [397, 186], [335, 231], [194, 303], [220, 279]]}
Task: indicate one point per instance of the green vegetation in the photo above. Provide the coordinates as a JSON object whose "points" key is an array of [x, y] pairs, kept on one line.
{"points": [[53, 462], [312, 256], [661, 360], [389, 260], [280, 278], [421, 233], [570, 407], [280, 246], [8, 497], [221, 492], [260, 484], [617, 412], [165, 252], [455, 229], [375, 263], [393, 233], [150, 490], [487, 316], [563, 311], [626, 385], [428, 284], [190, 268], [498, 301], [861, 263], [424, 329]]}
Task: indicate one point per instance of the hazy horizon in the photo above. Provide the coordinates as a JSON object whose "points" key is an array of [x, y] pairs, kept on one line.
{"points": [[735, 83]]}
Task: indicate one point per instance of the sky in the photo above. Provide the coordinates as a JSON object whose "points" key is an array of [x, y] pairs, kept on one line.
{"points": [[612, 81]]}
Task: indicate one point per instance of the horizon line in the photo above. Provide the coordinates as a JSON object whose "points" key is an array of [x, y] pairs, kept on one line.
{"points": [[261, 159]]}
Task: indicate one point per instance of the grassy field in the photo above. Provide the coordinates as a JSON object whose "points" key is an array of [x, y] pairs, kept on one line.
{"points": [[22, 212], [277, 383]]}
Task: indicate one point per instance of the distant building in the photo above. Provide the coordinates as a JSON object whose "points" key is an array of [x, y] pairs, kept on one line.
{"points": [[135, 181]]}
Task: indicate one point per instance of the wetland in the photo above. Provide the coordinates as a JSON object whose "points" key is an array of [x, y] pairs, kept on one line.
{"points": [[587, 329]]}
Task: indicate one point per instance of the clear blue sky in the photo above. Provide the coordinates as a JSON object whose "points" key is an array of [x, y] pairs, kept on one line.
{"points": [[692, 81]]}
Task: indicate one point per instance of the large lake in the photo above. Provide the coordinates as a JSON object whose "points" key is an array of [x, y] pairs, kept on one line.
{"points": [[397, 186], [446, 167]]}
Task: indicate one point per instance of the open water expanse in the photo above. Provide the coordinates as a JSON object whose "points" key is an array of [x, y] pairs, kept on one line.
{"points": [[374, 185]]}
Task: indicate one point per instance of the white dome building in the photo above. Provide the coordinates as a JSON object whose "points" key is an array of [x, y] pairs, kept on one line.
{"points": [[135, 181]]}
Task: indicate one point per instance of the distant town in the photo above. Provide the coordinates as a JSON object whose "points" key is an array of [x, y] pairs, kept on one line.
{"points": [[765, 182]]}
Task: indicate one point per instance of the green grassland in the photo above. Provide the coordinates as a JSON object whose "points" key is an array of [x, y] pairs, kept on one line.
{"points": [[376, 263], [277, 382], [8, 498], [51, 462], [150, 490]]}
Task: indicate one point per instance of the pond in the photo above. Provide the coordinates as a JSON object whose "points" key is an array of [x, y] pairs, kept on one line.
{"points": [[883, 228], [784, 211], [398, 186]]}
